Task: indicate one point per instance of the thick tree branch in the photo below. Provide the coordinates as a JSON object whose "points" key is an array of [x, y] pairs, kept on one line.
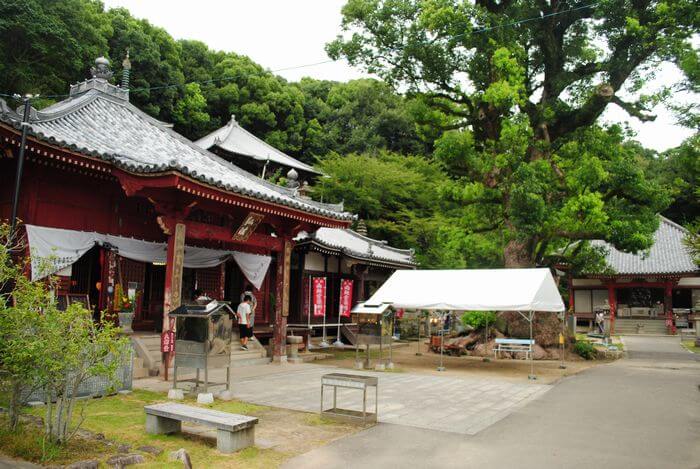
{"points": [[634, 109]]}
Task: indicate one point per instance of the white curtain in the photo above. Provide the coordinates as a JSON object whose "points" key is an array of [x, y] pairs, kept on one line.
{"points": [[54, 249], [253, 266]]}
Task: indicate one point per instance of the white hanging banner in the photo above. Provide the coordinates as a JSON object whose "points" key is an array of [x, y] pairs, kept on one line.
{"points": [[53, 249], [253, 266], [63, 248]]}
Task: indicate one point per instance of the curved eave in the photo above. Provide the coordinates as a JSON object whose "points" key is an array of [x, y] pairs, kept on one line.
{"points": [[336, 251], [149, 171]]}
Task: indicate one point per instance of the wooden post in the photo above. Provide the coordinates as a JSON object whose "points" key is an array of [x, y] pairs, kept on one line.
{"points": [[279, 334], [668, 307], [360, 274], [172, 296], [612, 301]]}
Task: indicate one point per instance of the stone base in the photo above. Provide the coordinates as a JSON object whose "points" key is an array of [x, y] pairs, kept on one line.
{"points": [[230, 442], [379, 367], [158, 425], [205, 398], [279, 359], [295, 360], [176, 394], [390, 366], [225, 395], [697, 342], [359, 365]]}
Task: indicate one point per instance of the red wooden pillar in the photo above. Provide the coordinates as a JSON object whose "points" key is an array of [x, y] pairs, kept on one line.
{"points": [[668, 307], [612, 301], [279, 332], [571, 294], [172, 296]]}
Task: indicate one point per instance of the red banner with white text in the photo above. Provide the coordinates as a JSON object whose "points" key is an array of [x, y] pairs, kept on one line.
{"points": [[319, 298], [345, 297]]}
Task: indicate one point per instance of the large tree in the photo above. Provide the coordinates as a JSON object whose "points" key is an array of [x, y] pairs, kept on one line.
{"points": [[521, 85]]}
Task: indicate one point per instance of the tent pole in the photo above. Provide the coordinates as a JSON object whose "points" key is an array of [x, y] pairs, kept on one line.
{"points": [[532, 364], [442, 339], [420, 324]]}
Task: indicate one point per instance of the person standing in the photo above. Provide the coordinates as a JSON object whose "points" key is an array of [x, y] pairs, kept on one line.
{"points": [[248, 290], [244, 313]]}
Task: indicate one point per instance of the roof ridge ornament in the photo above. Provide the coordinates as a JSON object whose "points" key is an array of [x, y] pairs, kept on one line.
{"points": [[101, 69]]}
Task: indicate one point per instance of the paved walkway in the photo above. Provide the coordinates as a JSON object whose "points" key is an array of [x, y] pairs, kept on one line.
{"points": [[457, 405], [641, 412]]}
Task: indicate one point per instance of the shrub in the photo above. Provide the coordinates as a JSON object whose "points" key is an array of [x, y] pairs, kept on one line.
{"points": [[479, 319], [585, 349]]}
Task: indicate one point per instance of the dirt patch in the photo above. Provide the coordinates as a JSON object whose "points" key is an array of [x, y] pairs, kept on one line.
{"points": [[514, 370]]}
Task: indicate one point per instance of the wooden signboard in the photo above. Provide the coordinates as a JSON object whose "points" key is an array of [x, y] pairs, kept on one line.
{"points": [[248, 226], [178, 264]]}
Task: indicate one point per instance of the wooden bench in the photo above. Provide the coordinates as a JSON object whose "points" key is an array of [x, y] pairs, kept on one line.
{"points": [[234, 432], [513, 345]]}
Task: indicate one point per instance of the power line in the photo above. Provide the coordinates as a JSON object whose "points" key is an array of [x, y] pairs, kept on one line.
{"points": [[542, 16]]}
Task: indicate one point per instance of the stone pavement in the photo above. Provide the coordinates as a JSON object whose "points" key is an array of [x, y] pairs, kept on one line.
{"points": [[642, 412], [456, 405]]}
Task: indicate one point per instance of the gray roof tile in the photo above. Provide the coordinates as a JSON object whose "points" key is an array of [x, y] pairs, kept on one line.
{"points": [[235, 139], [356, 245], [99, 124], [668, 255]]}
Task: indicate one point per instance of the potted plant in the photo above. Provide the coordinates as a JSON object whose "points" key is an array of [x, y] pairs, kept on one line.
{"points": [[124, 307]]}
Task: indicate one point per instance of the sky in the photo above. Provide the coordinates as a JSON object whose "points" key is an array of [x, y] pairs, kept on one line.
{"points": [[283, 34]]}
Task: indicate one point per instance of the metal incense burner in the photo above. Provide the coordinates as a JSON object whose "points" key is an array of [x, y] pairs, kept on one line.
{"points": [[203, 340], [375, 327]]}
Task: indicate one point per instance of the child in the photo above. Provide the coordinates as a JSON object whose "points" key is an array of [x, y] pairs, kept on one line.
{"points": [[244, 312]]}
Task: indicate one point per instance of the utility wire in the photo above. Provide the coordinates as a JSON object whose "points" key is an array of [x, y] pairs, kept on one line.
{"points": [[296, 67]]}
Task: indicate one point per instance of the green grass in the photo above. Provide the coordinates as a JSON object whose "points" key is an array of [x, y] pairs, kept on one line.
{"points": [[690, 345], [121, 418]]}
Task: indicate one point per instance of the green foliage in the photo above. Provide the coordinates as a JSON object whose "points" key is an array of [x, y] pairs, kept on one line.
{"points": [[399, 199], [42, 348], [679, 170], [585, 349], [530, 166], [479, 319]]}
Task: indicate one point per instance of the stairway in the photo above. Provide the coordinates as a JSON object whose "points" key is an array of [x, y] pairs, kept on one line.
{"points": [[349, 332], [147, 349], [147, 356], [255, 355], [649, 326]]}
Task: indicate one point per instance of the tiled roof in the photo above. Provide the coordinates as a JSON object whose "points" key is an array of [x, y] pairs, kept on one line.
{"points": [[668, 255], [235, 139], [104, 125], [358, 246]]}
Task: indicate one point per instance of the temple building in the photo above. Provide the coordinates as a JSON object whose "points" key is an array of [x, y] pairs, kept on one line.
{"points": [[347, 261], [652, 292], [120, 202], [235, 144]]}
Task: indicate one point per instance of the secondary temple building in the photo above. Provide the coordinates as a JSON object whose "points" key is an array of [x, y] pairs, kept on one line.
{"points": [[653, 292]]}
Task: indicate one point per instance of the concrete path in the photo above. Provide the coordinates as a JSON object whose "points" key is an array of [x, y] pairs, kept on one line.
{"points": [[641, 412], [456, 405]]}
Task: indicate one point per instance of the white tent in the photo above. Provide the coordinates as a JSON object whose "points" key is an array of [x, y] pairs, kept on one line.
{"points": [[471, 290], [521, 290]]}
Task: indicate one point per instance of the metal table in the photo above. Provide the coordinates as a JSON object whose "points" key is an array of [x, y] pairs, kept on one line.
{"points": [[360, 382]]}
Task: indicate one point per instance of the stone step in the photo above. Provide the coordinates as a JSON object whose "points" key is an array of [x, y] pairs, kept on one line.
{"points": [[242, 354]]}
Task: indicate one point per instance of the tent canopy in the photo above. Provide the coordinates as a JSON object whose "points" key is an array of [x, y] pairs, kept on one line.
{"points": [[471, 290]]}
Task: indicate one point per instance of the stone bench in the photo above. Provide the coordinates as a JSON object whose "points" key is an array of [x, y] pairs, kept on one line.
{"points": [[234, 432]]}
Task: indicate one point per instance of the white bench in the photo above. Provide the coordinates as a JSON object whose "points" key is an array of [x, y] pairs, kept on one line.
{"points": [[513, 345], [234, 432]]}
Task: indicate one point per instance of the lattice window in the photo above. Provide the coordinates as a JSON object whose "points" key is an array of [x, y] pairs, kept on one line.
{"points": [[209, 281]]}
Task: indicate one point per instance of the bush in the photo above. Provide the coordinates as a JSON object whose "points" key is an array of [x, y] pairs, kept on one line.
{"points": [[479, 319], [585, 349]]}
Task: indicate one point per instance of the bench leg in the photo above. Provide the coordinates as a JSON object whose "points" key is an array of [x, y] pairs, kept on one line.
{"points": [[158, 425], [230, 442]]}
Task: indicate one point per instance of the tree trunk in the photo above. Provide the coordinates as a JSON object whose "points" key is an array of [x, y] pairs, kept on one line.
{"points": [[517, 254]]}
